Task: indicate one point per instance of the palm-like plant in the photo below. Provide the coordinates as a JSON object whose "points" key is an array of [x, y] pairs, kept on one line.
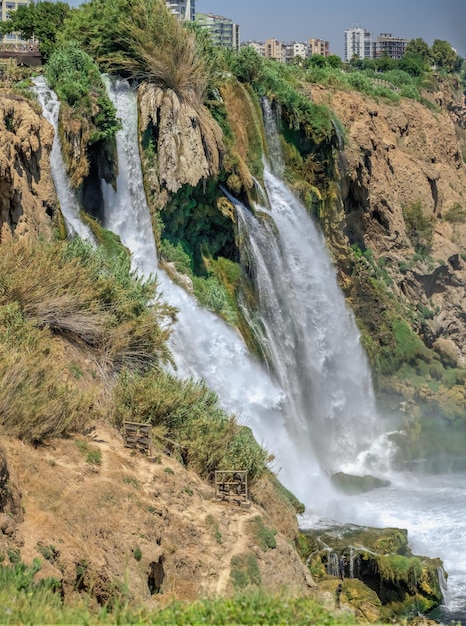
{"points": [[142, 40]]}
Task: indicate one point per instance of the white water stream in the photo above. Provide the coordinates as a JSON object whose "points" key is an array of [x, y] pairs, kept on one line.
{"points": [[304, 316], [68, 204]]}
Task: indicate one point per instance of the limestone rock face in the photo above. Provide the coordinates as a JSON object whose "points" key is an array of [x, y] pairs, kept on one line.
{"points": [[27, 193], [189, 141], [398, 155]]}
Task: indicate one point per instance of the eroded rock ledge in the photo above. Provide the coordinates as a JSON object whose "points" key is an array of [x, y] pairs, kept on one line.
{"points": [[27, 194]]}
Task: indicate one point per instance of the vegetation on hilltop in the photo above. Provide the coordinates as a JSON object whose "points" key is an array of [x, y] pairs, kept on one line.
{"points": [[411, 76], [143, 41], [76, 79]]}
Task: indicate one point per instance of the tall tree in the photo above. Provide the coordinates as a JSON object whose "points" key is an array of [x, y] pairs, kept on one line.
{"points": [[41, 20], [443, 55], [419, 48]]}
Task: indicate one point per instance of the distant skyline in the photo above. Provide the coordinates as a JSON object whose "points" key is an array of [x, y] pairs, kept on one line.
{"points": [[299, 20]]}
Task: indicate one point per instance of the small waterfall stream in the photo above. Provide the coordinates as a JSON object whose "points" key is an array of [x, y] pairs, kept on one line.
{"points": [[68, 204]]}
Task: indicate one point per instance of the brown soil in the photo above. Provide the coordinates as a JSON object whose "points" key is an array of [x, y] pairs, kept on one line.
{"points": [[89, 523]]}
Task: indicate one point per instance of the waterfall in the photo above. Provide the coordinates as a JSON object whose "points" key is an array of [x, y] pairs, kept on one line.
{"points": [[316, 412], [203, 345], [68, 204], [308, 333], [442, 581], [333, 565]]}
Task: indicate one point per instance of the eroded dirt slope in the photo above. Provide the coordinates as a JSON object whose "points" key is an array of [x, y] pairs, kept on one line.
{"points": [[100, 525]]}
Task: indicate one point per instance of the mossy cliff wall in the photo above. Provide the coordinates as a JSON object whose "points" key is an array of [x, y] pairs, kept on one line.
{"points": [[402, 217]]}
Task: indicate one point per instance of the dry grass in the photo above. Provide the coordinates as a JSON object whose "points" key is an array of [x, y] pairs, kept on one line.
{"points": [[67, 327], [154, 47]]}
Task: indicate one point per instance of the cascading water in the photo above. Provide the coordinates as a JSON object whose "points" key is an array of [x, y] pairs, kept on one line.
{"points": [[203, 345], [308, 333], [206, 347], [68, 203]]}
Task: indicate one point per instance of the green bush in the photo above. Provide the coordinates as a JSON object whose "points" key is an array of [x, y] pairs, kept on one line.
{"points": [[456, 214], [76, 79], [213, 525], [244, 571], [92, 455], [208, 438], [263, 536], [177, 255], [419, 227]]}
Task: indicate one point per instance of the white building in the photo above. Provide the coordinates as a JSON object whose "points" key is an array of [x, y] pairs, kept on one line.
{"points": [[222, 30], [296, 49], [185, 10], [358, 43]]}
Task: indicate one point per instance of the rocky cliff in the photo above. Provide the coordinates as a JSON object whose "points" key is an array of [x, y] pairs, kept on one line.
{"points": [[27, 194], [186, 142], [399, 156]]}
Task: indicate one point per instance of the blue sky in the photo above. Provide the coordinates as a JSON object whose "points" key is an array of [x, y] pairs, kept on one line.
{"points": [[299, 20]]}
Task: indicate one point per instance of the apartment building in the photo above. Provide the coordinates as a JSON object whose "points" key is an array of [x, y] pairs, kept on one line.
{"points": [[259, 46], [7, 7], [296, 49], [274, 49], [319, 46], [222, 30], [358, 43], [185, 10], [386, 44]]}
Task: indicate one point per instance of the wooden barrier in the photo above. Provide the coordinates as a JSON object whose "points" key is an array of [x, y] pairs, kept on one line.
{"points": [[232, 485], [139, 436]]}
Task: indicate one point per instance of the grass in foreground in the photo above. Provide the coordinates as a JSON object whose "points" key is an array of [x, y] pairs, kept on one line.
{"points": [[22, 601]]}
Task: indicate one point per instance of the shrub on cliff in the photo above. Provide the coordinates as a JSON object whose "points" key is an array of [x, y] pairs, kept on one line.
{"points": [[76, 79], [280, 83], [189, 413]]}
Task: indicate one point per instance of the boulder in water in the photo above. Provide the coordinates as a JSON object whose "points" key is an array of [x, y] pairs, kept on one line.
{"points": [[351, 484]]}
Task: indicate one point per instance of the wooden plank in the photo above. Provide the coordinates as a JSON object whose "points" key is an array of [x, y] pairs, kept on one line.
{"points": [[137, 435]]}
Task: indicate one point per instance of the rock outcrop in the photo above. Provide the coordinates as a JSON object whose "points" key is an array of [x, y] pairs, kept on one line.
{"points": [[27, 194], [188, 141], [399, 156], [395, 582]]}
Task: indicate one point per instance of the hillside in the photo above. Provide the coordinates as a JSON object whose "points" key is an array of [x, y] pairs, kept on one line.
{"points": [[97, 514]]}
